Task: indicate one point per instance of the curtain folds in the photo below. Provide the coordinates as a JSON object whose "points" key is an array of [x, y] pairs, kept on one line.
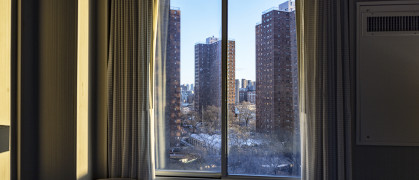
{"points": [[326, 106], [161, 129], [132, 36]]}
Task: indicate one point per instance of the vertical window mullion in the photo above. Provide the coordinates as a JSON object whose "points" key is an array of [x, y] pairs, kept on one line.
{"points": [[224, 45]]}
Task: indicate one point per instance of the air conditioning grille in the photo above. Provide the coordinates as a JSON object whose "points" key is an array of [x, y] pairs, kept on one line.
{"points": [[392, 23]]}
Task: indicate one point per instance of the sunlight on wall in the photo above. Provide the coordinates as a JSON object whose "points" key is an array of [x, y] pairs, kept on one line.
{"points": [[5, 28], [83, 150]]}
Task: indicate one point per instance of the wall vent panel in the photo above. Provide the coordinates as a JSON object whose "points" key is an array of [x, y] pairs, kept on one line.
{"points": [[387, 74]]}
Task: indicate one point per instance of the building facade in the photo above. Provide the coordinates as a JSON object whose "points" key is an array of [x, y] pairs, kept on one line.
{"points": [[248, 95], [237, 91], [208, 74], [251, 96], [244, 83], [231, 74], [242, 94], [249, 84], [277, 71], [173, 87]]}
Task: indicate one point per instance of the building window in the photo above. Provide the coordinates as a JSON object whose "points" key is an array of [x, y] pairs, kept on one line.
{"points": [[194, 128]]}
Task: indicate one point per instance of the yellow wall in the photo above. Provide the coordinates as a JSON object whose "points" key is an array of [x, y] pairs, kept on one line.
{"points": [[5, 27], [83, 150], [83, 169]]}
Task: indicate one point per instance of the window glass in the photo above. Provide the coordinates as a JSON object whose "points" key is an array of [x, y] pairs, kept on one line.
{"points": [[263, 121], [262, 87], [188, 86]]}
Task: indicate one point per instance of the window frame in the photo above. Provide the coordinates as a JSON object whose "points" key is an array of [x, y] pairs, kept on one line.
{"points": [[204, 175]]}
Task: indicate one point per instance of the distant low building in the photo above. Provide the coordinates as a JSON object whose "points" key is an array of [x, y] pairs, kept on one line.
{"points": [[246, 95], [243, 94], [191, 97], [187, 97], [251, 97], [184, 87]]}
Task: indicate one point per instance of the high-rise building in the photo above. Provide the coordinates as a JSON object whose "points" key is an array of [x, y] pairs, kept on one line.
{"points": [[287, 6], [237, 91], [173, 87], [277, 71], [252, 86], [211, 40], [244, 83], [208, 74], [231, 73]]}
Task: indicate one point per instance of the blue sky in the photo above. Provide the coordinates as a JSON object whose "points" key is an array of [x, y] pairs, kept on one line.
{"points": [[202, 18]]}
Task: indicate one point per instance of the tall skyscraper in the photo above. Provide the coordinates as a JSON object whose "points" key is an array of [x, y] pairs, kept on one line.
{"points": [[173, 87], [277, 71], [237, 91], [249, 83], [231, 73], [244, 83], [253, 86], [208, 74]]}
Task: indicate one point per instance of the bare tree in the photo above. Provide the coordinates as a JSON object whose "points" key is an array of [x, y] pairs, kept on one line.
{"points": [[211, 120], [245, 112], [193, 119]]}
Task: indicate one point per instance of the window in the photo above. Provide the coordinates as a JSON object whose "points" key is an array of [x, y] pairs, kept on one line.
{"points": [[256, 132], [189, 92]]}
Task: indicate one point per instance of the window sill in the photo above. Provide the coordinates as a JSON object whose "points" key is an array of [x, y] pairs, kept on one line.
{"points": [[181, 178], [228, 178]]}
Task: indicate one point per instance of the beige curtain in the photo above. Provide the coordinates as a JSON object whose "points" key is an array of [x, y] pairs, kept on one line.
{"points": [[132, 37], [326, 107]]}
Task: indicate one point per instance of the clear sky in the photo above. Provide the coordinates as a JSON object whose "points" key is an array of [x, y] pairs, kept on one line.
{"points": [[202, 18]]}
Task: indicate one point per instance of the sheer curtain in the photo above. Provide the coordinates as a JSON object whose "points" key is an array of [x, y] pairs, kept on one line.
{"points": [[326, 106], [132, 36], [162, 144]]}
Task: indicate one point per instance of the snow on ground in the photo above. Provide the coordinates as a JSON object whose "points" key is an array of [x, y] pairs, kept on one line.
{"points": [[214, 141]]}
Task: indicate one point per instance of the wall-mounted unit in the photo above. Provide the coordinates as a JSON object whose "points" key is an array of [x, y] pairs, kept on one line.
{"points": [[387, 73], [4, 138]]}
